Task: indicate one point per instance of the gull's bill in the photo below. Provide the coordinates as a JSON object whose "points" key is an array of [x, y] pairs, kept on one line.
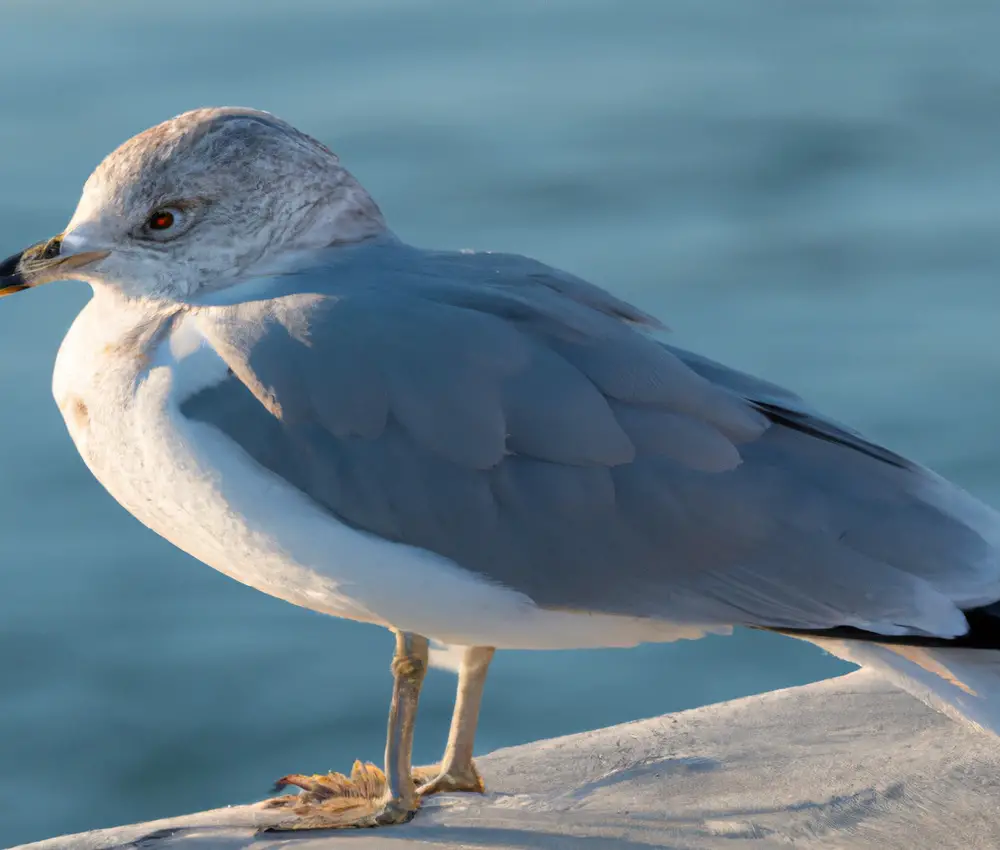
{"points": [[43, 262]]}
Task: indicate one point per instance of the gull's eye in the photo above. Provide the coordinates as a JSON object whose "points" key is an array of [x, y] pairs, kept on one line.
{"points": [[169, 221], [161, 220]]}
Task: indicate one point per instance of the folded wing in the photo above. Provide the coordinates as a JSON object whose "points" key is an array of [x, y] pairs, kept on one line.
{"points": [[526, 425]]}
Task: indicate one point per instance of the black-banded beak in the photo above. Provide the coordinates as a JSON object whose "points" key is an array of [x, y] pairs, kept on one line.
{"points": [[11, 279], [41, 263]]}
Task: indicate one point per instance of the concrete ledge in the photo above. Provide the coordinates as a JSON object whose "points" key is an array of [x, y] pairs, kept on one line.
{"points": [[847, 763]]}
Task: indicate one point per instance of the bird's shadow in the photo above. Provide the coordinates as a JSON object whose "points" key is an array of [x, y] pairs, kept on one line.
{"points": [[207, 838], [833, 814]]}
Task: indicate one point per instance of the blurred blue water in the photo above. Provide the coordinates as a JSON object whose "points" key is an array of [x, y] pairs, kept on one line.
{"points": [[808, 191]]}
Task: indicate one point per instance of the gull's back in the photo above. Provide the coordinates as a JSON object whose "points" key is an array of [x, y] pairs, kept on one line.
{"points": [[528, 427]]}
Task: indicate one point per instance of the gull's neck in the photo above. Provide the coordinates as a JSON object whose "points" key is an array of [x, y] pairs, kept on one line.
{"points": [[130, 316], [112, 334]]}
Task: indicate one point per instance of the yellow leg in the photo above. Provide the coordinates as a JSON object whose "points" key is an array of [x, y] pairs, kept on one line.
{"points": [[457, 772], [368, 797]]}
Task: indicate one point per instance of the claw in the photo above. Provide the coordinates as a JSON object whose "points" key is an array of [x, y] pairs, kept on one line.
{"points": [[298, 780], [336, 801], [366, 780]]}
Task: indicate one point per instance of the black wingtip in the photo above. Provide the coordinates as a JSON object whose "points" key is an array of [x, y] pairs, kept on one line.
{"points": [[830, 433], [983, 633]]}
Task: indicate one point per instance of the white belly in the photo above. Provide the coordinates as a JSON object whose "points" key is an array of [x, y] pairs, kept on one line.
{"points": [[119, 393]]}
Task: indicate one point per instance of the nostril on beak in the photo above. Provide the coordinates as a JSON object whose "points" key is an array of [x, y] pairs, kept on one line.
{"points": [[52, 248]]}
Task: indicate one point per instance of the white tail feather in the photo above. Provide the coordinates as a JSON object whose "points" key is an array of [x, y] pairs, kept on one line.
{"points": [[962, 683]]}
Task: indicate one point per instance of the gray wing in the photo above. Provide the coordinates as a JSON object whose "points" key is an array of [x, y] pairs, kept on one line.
{"points": [[524, 424]]}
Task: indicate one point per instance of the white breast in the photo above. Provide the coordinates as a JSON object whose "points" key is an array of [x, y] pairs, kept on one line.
{"points": [[120, 378], [119, 393]]}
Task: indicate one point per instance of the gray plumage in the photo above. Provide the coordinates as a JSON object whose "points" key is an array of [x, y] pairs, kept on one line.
{"points": [[484, 410], [528, 426]]}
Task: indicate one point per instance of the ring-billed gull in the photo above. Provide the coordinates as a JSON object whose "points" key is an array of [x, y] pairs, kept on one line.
{"points": [[473, 448]]}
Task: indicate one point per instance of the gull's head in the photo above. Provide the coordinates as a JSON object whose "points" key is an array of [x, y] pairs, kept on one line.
{"points": [[198, 203]]}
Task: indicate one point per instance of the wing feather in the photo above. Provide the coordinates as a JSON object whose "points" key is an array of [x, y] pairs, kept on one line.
{"points": [[523, 423]]}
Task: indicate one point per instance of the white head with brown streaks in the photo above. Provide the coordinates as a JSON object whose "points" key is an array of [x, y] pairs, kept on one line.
{"points": [[192, 204]]}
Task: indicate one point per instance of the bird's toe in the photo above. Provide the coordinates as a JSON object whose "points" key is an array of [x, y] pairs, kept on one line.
{"points": [[336, 801], [434, 780]]}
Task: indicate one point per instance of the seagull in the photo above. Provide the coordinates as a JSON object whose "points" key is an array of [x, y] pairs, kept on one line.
{"points": [[471, 448]]}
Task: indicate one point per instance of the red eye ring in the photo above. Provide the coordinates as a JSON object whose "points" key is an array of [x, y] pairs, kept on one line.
{"points": [[161, 220]]}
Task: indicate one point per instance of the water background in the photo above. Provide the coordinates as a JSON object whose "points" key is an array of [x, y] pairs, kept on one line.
{"points": [[810, 191]]}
